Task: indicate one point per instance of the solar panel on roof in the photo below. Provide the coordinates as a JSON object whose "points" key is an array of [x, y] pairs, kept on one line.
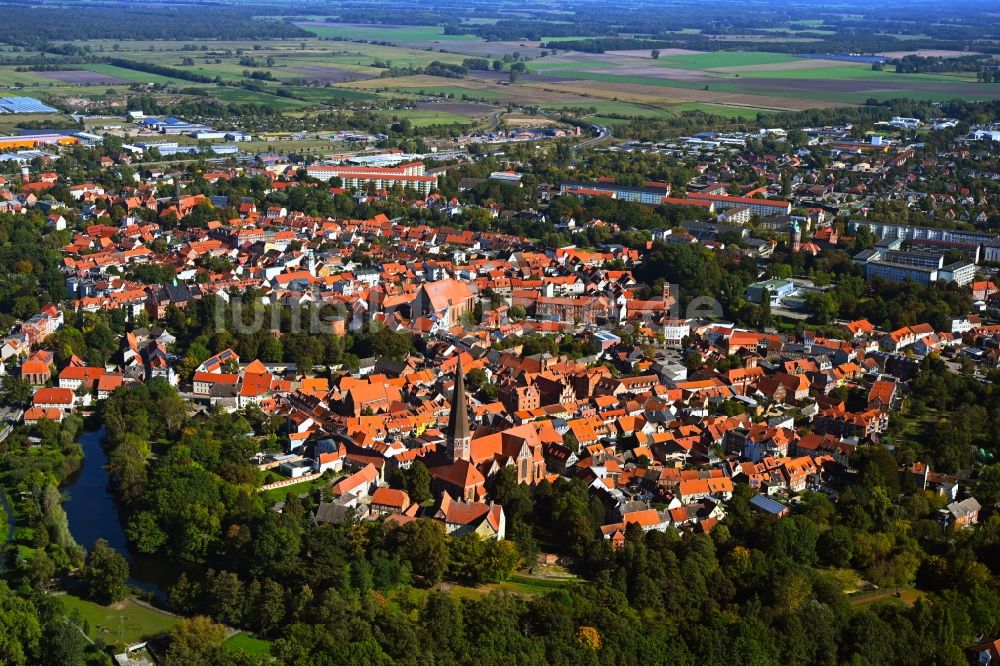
{"points": [[24, 105]]}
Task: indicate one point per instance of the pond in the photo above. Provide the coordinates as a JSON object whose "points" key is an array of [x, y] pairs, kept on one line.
{"points": [[92, 511]]}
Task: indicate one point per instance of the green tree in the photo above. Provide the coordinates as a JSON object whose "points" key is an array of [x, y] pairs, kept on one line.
{"points": [[424, 545], [20, 631], [501, 559], [836, 546], [225, 593], [65, 644], [195, 641], [25, 307], [106, 571], [15, 391], [272, 350], [417, 480], [795, 537], [41, 569]]}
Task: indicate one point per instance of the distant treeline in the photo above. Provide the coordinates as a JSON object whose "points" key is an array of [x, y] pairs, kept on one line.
{"points": [[535, 30], [34, 26], [915, 64], [602, 44], [872, 43], [374, 15], [29, 62], [436, 68], [201, 108], [50, 67]]}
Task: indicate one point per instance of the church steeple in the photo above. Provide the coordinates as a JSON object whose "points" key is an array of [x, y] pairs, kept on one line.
{"points": [[459, 434]]}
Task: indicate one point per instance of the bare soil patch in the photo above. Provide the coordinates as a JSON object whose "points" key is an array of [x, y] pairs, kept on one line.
{"points": [[526, 121]]}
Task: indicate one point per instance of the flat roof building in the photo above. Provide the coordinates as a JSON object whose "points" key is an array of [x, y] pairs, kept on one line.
{"points": [[650, 193]]}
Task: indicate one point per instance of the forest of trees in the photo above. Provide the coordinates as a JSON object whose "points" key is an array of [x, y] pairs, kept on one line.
{"points": [[756, 591], [31, 259], [36, 26]]}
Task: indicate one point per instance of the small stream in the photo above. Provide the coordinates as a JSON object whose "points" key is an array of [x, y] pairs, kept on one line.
{"points": [[92, 511]]}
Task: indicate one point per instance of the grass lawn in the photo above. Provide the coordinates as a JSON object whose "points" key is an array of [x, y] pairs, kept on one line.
{"points": [[278, 494], [126, 621], [9, 76], [604, 120], [426, 118], [906, 596], [532, 587], [529, 586], [248, 645]]}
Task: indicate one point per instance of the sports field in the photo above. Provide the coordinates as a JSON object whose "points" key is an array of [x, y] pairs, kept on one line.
{"points": [[126, 622]]}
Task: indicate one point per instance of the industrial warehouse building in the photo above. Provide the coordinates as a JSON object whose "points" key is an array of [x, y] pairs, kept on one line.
{"points": [[24, 105]]}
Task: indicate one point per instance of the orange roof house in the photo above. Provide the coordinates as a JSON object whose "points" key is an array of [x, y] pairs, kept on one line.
{"points": [[461, 517], [389, 500], [56, 398], [694, 489], [359, 484]]}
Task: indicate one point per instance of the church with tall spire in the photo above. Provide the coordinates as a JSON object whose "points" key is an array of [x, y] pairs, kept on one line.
{"points": [[462, 466], [459, 434]]}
